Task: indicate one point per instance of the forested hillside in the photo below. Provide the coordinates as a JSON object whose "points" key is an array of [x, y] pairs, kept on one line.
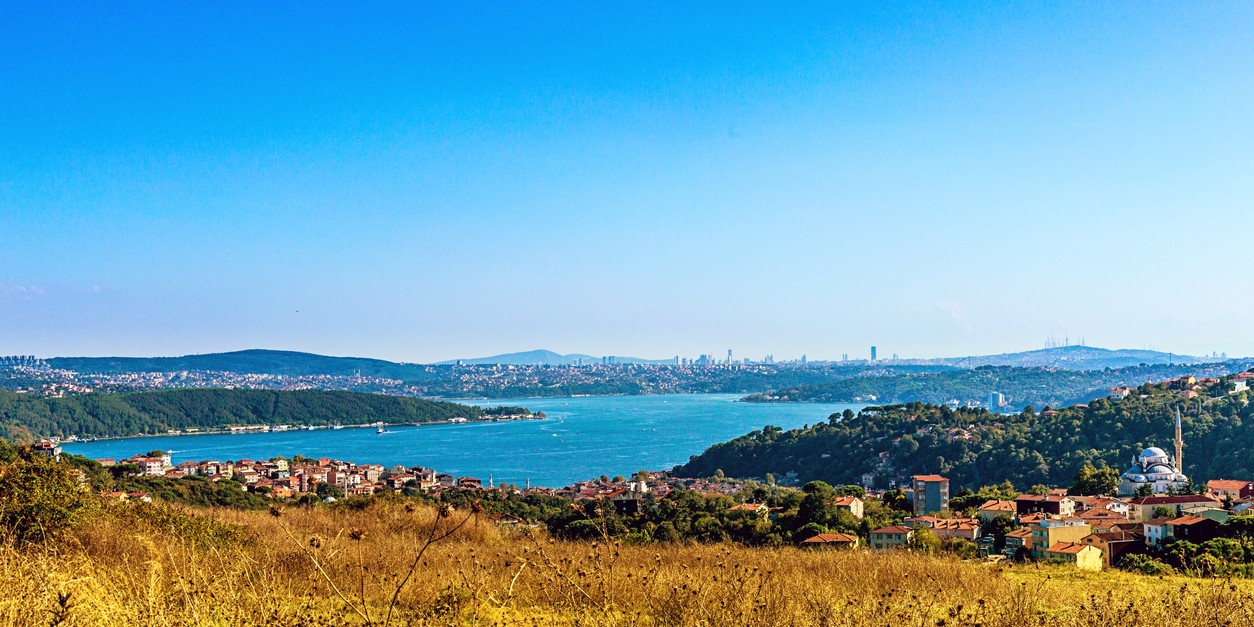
{"points": [[975, 447], [23, 417], [1022, 386]]}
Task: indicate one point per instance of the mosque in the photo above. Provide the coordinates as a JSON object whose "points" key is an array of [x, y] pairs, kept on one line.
{"points": [[1153, 467]]}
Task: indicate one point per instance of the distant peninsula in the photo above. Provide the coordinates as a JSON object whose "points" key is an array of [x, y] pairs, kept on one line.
{"points": [[24, 417]]}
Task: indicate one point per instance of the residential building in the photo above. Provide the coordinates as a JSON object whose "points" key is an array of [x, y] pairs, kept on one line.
{"points": [[1231, 489], [994, 508], [1114, 545], [1142, 508], [1051, 504], [1195, 529], [1084, 556], [931, 494], [891, 537], [851, 504], [830, 540], [1055, 529]]}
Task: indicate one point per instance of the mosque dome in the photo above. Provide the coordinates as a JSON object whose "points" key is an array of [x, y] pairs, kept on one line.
{"points": [[1153, 451], [1160, 469]]}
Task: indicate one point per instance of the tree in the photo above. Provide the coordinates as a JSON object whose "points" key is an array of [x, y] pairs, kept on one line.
{"points": [[1091, 481], [1039, 490], [998, 527], [40, 499], [1145, 489], [924, 541]]}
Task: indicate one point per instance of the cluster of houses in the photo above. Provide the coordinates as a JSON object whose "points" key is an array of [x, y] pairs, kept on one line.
{"points": [[284, 478], [1092, 532]]}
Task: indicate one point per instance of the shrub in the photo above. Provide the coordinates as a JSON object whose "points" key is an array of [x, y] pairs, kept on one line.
{"points": [[40, 499]]}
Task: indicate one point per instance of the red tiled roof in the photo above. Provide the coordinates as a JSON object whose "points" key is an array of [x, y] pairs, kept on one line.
{"points": [[1066, 548], [929, 478], [825, 538], [893, 530], [1227, 484]]}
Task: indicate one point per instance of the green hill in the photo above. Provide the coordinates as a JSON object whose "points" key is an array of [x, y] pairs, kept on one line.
{"points": [[975, 447], [23, 417]]}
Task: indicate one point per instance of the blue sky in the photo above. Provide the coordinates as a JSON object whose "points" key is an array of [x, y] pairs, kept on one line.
{"points": [[420, 181]]}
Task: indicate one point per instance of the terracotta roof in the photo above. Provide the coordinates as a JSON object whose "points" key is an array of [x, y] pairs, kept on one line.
{"points": [[1021, 532], [826, 538], [1186, 520], [893, 529], [1170, 499], [846, 501], [1066, 548], [998, 505], [929, 478], [1227, 484]]}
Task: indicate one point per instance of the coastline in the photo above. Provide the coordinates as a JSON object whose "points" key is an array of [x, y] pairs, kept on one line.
{"points": [[253, 429]]}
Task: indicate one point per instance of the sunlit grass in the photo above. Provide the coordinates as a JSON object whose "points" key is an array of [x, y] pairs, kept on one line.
{"points": [[336, 567]]}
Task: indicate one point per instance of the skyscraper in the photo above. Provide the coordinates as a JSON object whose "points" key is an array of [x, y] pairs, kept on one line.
{"points": [[873, 353]]}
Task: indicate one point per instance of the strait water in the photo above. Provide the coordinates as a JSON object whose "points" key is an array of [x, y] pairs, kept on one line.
{"points": [[582, 438]]}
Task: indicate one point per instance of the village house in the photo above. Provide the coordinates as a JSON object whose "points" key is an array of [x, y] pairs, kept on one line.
{"points": [[1114, 545], [1230, 489], [1017, 540], [1084, 556], [49, 448], [1052, 504], [891, 537], [994, 508], [1055, 529], [1142, 508], [851, 504], [945, 528], [1195, 529], [831, 541]]}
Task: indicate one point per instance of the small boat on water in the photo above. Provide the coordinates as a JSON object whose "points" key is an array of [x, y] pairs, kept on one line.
{"points": [[381, 431], [337, 426]]}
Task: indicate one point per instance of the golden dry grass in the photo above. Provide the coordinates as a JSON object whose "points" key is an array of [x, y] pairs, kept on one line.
{"points": [[173, 570]]}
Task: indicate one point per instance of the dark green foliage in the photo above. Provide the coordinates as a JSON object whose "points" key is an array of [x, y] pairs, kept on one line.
{"points": [[40, 499], [975, 447], [24, 416]]}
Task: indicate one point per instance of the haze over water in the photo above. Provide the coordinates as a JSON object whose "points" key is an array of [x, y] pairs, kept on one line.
{"points": [[582, 438]]}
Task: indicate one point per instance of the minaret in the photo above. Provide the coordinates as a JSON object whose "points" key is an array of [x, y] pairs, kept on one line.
{"points": [[1179, 443]]}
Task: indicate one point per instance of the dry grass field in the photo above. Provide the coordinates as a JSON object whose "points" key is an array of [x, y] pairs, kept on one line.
{"points": [[156, 566]]}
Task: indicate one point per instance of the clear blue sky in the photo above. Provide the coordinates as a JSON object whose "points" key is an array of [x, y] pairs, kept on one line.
{"points": [[420, 181]]}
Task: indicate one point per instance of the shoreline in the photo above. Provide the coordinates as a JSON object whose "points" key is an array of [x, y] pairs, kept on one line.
{"points": [[270, 428]]}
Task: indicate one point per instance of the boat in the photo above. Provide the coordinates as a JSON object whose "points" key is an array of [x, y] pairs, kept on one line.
{"points": [[337, 426], [381, 431]]}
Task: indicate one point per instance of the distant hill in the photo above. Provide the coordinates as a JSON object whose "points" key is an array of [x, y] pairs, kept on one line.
{"points": [[542, 357], [1036, 386], [254, 361], [1075, 358]]}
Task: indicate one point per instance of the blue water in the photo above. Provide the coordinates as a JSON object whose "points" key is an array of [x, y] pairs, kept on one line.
{"points": [[582, 438]]}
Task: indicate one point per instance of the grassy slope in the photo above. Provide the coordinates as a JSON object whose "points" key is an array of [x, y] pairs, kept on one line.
{"points": [[128, 569]]}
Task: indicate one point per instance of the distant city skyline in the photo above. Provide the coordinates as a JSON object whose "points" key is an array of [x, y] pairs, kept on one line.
{"points": [[427, 182]]}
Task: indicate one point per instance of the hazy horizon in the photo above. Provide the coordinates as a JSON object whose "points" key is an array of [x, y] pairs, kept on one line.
{"points": [[442, 181]]}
